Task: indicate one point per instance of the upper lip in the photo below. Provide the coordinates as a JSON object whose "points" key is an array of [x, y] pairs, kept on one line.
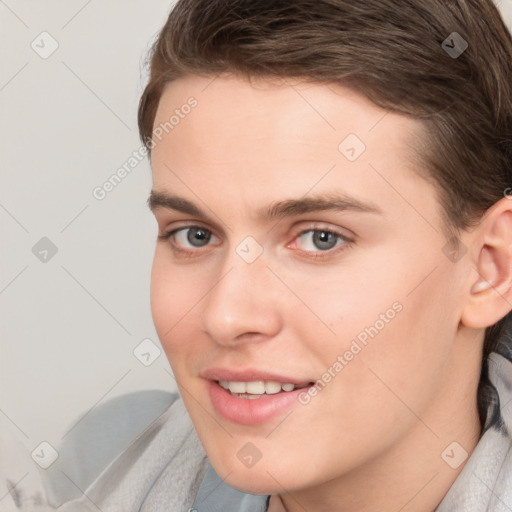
{"points": [[249, 375]]}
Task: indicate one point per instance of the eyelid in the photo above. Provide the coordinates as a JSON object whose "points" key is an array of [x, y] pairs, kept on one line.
{"points": [[165, 217], [177, 226], [305, 227]]}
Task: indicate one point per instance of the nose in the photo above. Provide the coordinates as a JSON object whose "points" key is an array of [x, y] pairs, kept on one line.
{"points": [[243, 305]]}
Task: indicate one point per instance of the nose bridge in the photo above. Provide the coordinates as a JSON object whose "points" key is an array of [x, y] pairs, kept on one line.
{"points": [[244, 267], [241, 301]]}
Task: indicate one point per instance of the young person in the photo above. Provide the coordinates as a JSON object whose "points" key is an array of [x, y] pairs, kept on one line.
{"points": [[332, 278]]}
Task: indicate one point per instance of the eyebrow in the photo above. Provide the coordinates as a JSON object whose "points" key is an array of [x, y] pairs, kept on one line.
{"points": [[278, 210]]}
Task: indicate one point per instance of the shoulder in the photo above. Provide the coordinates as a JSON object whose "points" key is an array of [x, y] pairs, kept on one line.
{"points": [[132, 451]]}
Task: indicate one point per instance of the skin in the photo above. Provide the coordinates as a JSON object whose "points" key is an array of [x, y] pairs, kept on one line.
{"points": [[372, 438]]}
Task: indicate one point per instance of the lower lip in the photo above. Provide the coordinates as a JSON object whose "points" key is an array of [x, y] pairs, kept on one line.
{"points": [[247, 411]]}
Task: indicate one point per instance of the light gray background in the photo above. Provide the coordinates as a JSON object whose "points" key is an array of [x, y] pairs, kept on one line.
{"points": [[68, 122]]}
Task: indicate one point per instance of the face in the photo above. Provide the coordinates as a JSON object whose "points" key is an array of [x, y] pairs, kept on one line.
{"points": [[300, 264]]}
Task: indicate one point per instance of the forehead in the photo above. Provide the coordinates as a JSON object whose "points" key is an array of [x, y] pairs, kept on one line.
{"points": [[260, 138], [276, 108]]}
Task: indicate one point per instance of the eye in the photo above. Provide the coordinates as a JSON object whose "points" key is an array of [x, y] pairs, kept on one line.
{"points": [[191, 237], [319, 240], [195, 236]]}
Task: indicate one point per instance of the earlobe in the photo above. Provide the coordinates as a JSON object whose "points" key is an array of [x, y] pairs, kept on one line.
{"points": [[490, 294]]}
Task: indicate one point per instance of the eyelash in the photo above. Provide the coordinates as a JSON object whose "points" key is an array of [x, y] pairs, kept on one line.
{"points": [[345, 244]]}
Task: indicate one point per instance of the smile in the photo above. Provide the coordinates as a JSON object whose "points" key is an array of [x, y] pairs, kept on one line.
{"points": [[258, 388]]}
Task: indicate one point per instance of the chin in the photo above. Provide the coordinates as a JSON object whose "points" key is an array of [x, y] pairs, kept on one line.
{"points": [[261, 478], [255, 484]]}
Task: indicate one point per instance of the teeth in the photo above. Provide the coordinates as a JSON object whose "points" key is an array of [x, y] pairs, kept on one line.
{"points": [[256, 388], [272, 387], [237, 387]]}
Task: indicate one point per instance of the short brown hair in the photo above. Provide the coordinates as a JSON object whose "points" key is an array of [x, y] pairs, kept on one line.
{"points": [[392, 51]]}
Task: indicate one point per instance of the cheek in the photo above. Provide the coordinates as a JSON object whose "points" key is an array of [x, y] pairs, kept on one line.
{"points": [[343, 305], [174, 295]]}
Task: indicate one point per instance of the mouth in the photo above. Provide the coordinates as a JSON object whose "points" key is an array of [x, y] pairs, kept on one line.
{"points": [[252, 397], [259, 388]]}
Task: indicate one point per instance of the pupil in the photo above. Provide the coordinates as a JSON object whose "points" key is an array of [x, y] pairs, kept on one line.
{"points": [[324, 240], [198, 237]]}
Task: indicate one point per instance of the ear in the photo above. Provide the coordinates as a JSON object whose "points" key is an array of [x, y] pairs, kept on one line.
{"points": [[490, 284]]}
